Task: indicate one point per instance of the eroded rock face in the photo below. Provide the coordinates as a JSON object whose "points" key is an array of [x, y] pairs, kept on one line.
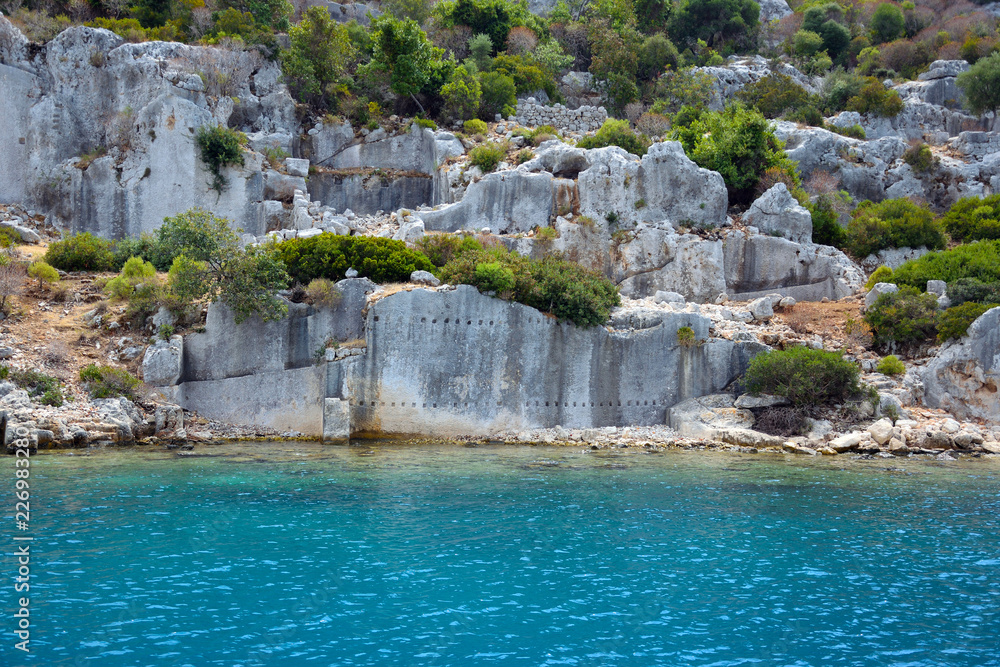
{"points": [[776, 212], [663, 187], [964, 378], [86, 92]]}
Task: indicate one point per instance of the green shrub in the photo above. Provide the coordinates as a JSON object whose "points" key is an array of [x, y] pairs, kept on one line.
{"points": [[616, 133], [979, 260], [964, 290], [330, 255], [9, 238], [220, 147], [108, 382], [973, 219], [493, 277], [954, 322], [839, 87], [686, 337], [981, 84], [806, 43], [487, 156], [890, 365], [81, 252], [893, 223], [135, 272], [853, 131], [441, 248], [322, 292], [552, 285], [44, 272], [475, 126], [499, 95], [826, 228], [881, 275], [426, 123], [462, 94], [875, 98], [806, 377], [524, 155], [902, 320], [43, 387], [656, 54], [887, 23], [919, 157], [145, 247], [739, 143]]}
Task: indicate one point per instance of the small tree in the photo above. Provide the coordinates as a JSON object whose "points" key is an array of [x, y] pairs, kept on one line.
{"points": [[44, 272], [318, 58], [887, 23], [246, 280], [401, 50], [499, 95], [981, 85], [461, 94]]}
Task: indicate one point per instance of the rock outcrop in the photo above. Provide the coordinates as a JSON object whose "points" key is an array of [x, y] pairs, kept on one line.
{"points": [[964, 377]]}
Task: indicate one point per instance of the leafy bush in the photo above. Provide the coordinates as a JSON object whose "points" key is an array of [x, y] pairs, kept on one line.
{"points": [[826, 228], [108, 382], [475, 126], [220, 147], [880, 275], [330, 255], [144, 246], [686, 337], [954, 322], [616, 133], [774, 95], [890, 365], [893, 223], [806, 43], [839, 87], [441, 248], [920, 158], [44, 272], [81, 252], [875, 98], [804, 376], [887, 23], [902, 320], [656, 54], [135, 272], [718, 22], [425, 123], [322, 292], [499, 95], [853, 131], [318, 57], [965, 290], [39, 386], [487, 156], [972, 218], [981, 84], [979, 260], [552, 285], [739, 143]]}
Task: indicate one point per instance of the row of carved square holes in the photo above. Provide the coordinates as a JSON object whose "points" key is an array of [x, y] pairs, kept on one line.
{"points": [[500, 403], [447, 320]]}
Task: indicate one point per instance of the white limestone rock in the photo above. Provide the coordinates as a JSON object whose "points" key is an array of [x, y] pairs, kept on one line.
{"points": [[963, 378], [776, 211], [878, 290], [162, 364]]}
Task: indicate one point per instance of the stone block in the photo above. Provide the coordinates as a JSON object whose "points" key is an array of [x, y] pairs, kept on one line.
{"points": [[336, 421]]}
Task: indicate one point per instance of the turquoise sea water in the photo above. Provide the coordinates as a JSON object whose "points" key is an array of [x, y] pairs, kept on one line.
{"points": [[387, 554]]}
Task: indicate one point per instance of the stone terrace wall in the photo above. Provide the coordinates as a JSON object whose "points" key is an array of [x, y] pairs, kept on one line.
{"points": [[459, 363], [450, 363], [584, 119]]}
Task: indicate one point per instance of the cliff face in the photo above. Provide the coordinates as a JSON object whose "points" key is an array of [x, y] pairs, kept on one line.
{"points": [[448, 362], [131, 111]]}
